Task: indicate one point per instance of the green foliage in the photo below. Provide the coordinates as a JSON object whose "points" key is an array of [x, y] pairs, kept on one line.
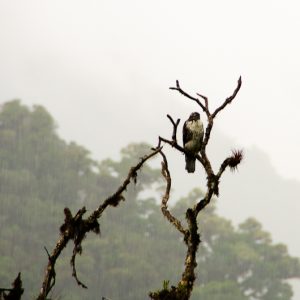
{"points": [[166, 284], [173, 293], [40, 174], [216, 290], [241, 261]]}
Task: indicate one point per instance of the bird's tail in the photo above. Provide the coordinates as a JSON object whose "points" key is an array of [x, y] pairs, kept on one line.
{"points": [[190, 163]]}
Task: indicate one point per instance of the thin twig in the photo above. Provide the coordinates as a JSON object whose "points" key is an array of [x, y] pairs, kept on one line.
{"points": [[181, 91], [175, 125], [74, 272], [47, 284], [229, 99], [53, 270]]}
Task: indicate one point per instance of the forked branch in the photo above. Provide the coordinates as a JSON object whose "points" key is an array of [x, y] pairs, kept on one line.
{"points": [[181, 91], [75, 228], [175, 125], [173, 142], [191, 235]]}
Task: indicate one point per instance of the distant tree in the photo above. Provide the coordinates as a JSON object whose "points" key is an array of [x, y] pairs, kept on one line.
{"points": [[240, 263], [39, 172], [39, 175]]}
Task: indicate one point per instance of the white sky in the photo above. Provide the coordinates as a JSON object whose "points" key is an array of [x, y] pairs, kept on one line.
{"points": [[103, 69]]}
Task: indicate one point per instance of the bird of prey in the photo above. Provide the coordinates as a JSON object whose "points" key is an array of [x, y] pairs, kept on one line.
{"points": [[192, 134]]}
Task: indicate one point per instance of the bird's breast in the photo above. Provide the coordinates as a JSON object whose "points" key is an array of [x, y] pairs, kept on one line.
{"points": [[196, 132]]}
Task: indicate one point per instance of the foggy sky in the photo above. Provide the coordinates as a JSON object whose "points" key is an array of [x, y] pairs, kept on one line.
{"points": [[90, 62], [103, 69]]}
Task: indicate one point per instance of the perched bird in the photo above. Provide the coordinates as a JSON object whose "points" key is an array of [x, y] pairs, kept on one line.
{"points": [[192, 134]]}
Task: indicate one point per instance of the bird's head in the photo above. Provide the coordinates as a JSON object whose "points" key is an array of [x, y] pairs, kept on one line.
{"points": [[194, 116]]}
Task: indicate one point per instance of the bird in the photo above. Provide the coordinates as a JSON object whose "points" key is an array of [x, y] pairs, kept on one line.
{"points": [[192, 134]]}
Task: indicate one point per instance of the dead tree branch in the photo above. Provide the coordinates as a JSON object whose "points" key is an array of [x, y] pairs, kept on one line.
{"points": [[173, 141], [229, 99], [75, 228], [175, 125], [210, 118], [191, 236], [74, 271], [181, 91], [164, 203]]}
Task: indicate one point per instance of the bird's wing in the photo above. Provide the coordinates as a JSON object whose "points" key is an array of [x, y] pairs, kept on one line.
{"points": [[187, 135]]}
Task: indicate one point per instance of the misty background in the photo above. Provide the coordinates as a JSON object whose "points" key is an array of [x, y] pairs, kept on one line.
{"points": [[103, 69]]}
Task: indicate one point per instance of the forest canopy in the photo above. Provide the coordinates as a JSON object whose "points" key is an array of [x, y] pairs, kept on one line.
{"points": [[41, 174]]}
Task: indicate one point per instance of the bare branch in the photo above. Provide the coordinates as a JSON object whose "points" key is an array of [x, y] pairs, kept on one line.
{"points": [[171, 143], [229, 99], [74, 272], [192, 241], [164, 203], [53, 273], [206, 104], [178, 88], [207, 132], [191, 235], [213, 181], [175, 125], [178, 147], [114, 199], [172, 121], [50, 272], [210, 117], [204, 98], [205, 201], [75, 228]]}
